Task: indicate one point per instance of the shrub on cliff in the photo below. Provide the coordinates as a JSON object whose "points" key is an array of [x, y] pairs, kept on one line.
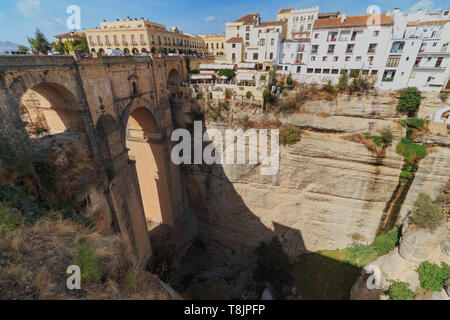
{"points": [[412, 152], [426, 214], [431, 276], [386, 137], [410, 100], [290, 135], [400, 291], [273, 266]]}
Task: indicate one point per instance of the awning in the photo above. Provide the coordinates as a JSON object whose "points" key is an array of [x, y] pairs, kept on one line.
{"points": [[246, 65], [245, 77], [215, 66], [201, 76]]}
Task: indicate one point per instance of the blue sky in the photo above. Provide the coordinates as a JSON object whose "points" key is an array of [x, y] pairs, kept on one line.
{"points": [[19, 18]]}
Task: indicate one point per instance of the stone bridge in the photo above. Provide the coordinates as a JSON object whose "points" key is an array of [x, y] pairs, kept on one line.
{"points": [[122, 107]]}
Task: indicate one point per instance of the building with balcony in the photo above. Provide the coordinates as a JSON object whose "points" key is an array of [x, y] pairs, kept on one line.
{"points": [[214, 44], [248, 39], [299, 22], [135, 36]]}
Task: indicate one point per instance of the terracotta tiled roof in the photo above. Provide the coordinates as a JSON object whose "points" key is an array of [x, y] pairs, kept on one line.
{"points": [[248, 18], [328, 14], [351, 21], [271, 23], [285, 10], [428, 23], [235, 40], [70, 34]]}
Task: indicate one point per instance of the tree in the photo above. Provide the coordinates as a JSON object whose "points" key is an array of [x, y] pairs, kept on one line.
{"points": [[289, 80], [22, 49], [227, 73], [39, 43], [343, 82], [59, 47], [410, 100], [81, 45]]}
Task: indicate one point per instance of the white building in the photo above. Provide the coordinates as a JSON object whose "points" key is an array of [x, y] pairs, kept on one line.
{"points": [[250, 40], [418, 52], [293, 56], [347, 43], [300, 22]]}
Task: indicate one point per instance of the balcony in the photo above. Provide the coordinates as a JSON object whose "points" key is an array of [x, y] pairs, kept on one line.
{"points": [[398, 50], [371, 51]]}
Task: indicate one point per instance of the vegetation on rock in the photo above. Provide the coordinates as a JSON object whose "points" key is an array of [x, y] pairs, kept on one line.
{"points": [[426, 214], [410, 100], [290, 135], [400, 291], [431, 276]]}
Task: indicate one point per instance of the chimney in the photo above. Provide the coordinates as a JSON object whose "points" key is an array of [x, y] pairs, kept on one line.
{"points": [[344, 16]]}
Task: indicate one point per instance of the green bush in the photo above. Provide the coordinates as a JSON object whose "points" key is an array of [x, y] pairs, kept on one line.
{"points": [[431, 276], [411, 152], [415, 123], [443, 96], [249, 94], [400, 291], [290, 135], [386, 137], [245, 122], [343, 82], [287, 106], [87, 261], [273, 266], [410, 100], [426, 214], [227, 73], [328, 87], [289, 81], [8, 220]]}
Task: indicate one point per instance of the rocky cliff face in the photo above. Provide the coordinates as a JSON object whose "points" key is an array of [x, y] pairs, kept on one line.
{"points": [[329, 192]]}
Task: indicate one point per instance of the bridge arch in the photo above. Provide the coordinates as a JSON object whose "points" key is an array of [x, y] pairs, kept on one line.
{"points": [[50, 107], [145, 144]]}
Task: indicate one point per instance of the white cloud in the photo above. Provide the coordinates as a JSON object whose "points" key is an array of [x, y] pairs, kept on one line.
{"points": [[51, 23], [29, 8], [423, 4], [210, 19]]}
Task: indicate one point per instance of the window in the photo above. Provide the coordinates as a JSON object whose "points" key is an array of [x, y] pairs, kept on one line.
{"points": [[91, 41], [438, 62], [324, 58], [262, 42], [331, 49], [255, 56], [107, 40], [349, 49], [285, 68], [376, 33], [233, 45], [316, 36], [238, 27], [315, 48], [344, 36], [372, 48], [388, 75], [374, 72], [393, 61], [334, 71], [300, 57], [335, 58], [99, 40], [271, 55], [317, 70], [116, 41], [326, 70], [309, 70], [233, 56], [332, 36], [370, 59], [207, 44], [354, 35], [313, 58], [347, 58], [247, 28], [397, 46], [247, 44], [358, 58], [247, 36], [272, 42], [298, 69]]}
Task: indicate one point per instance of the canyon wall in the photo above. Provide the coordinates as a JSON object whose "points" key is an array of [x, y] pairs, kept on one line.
{"points": [[329, 192]]}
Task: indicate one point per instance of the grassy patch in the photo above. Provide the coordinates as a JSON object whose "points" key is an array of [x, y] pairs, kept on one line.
{"points": [[8, 219], [290, 135], [431, 276], [87, 261], [411, 152], [400, 291]]}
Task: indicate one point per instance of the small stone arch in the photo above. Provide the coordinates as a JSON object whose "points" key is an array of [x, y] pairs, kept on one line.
{"points": [[93, 50], [101, 51], [126, 51], [174, 78], [51, 107], [144, 50], [135, 51]]}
